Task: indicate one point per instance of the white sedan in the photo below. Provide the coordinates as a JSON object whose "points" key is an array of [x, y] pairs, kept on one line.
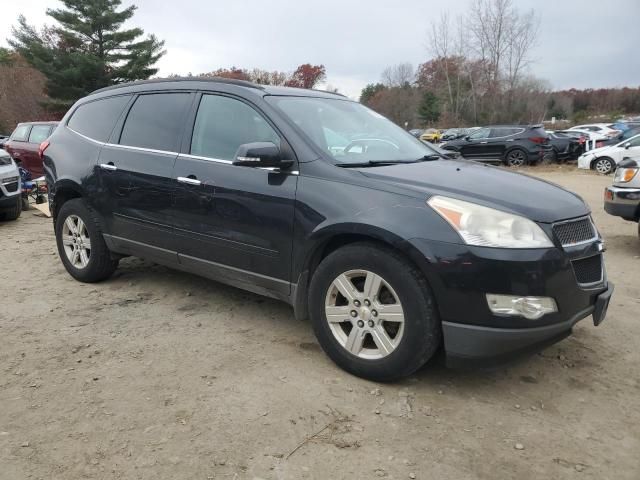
{"points": [[604, 159], [601, 128]]}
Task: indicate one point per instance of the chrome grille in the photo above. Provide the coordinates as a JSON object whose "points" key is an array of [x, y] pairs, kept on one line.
{"points": [[574, 232], [588, 270]]}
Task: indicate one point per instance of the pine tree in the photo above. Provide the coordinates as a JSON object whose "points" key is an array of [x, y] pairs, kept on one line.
{"points": [[429, 109], [87, 49]]}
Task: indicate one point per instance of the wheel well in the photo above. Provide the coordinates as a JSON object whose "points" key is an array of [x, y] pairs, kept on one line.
{"points": [[61, 197], [337, 242], [331, 245]]}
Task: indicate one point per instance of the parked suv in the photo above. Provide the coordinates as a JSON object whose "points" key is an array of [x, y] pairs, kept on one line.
{"points": [[514, 145], [391, 250], [10, 198], [24, 145]]}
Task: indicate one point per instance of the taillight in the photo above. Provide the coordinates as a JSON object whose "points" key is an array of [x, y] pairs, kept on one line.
{"points": [[539, 140], [43, 146]]}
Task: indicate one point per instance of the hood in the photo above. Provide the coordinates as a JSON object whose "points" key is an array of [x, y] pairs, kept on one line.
{"points": [[487, 185], [599, 150]]}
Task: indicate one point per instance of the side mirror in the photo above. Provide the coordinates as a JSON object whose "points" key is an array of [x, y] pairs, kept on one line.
{"points": [[627, 145], [260, 155], [467, 137]]}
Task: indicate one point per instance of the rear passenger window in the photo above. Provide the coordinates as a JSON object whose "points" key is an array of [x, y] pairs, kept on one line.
{"points": [[96, 119], [20, 133], [155, 121], [39, 133], [224, 123]]}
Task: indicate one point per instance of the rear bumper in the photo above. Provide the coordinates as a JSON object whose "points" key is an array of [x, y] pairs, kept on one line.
{"points": [[622, 202]]}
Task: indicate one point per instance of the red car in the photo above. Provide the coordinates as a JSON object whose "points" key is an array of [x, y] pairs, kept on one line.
{"points": [[24, 144]]}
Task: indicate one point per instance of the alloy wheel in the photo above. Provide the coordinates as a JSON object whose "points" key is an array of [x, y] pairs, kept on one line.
{"points": [[364, 314], [604, 166], [516, 158], [76, 241]]}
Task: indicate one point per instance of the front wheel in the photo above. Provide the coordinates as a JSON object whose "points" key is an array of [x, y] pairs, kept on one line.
{"points": [[373, 312], [604, 165], [14, 212], [81, 245]]}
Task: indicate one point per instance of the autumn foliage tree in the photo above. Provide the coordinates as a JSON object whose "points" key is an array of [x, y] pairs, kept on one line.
{"points": [[307, 76]]}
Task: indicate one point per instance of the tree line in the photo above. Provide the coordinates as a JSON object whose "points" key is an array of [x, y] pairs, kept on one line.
{"points": [[479, 73]]}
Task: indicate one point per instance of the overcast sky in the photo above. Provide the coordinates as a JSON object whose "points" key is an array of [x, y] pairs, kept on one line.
{"points": [[581, 43]]}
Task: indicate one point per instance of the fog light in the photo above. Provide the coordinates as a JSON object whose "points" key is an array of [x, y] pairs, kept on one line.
{"points": [[531, 308]]}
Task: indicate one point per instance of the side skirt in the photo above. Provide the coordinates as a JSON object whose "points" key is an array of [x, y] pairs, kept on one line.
{"points": [[243, 279]]}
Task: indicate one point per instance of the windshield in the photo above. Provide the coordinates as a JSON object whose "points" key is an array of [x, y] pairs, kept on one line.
{"points": [[350, 132]]}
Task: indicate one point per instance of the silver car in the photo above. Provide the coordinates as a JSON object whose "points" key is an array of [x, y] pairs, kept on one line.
{"points": [[622, 199], [10, 188]]}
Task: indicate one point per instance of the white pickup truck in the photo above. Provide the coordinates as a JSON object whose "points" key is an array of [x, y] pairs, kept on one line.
{"points": [[10, 188], [622, 198]]}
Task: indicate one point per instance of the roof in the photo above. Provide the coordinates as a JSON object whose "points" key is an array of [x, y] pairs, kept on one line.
{"points": [[207, 82], [39, 123]]}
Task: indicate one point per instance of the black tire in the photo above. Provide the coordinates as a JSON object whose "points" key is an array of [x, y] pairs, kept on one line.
{"points": [[422, 328], [550, 157], [516, 157], [14, 213], [101, 264], [603, 165]]}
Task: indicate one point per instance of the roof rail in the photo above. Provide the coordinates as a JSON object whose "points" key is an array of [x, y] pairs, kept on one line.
{"points": [[231, 81], [327, 91]]}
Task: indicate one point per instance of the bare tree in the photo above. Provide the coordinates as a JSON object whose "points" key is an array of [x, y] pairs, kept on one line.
{"points": [[400, 75], [501, 38]]}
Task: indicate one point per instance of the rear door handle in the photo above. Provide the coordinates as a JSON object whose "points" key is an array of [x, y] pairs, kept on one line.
{"points": [[108, 166], [189, 181]]}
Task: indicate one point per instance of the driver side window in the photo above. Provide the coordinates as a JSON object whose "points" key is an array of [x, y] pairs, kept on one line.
{"points": [[224, 123], [478, 134]]}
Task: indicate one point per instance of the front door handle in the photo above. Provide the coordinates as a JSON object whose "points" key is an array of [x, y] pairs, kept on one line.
{"points": [[108, 166], [189, 180], [483, 143]]}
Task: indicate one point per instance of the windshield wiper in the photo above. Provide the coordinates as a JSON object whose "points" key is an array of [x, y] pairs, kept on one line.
{"points": [[431, 157], [375, 163]]}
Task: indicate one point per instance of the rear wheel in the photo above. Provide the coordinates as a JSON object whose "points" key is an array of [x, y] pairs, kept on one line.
{"points": [[604, 165], [373, 312], [81, 246], [516, 157]]}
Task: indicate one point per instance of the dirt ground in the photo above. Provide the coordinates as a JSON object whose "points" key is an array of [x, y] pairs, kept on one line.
{"points": [[157, 374]]}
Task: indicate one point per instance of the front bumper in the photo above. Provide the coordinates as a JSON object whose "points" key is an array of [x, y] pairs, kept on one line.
{"points": [[486, 346], [462, 275], [584, 161], [622, 202]]}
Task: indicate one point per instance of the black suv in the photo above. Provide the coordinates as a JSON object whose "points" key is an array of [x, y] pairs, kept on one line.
{"points": [[311, 198], [514, 145]]}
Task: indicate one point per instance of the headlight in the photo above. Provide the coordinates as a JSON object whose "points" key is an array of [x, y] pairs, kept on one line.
{"points": [[486, 227], [624, 175]]}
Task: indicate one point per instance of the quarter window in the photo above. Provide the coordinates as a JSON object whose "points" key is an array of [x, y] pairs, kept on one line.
{"points": [[20, 133], [224, 123], [96, 119], [39, 133], [155, 121]]}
